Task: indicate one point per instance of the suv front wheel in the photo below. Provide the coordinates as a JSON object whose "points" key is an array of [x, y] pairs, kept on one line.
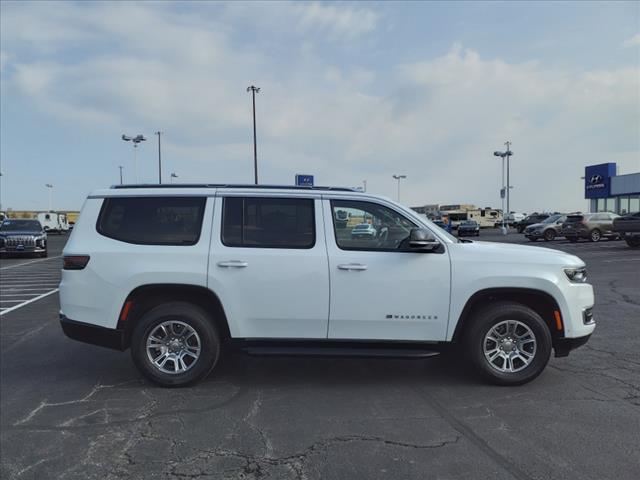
{"points": [[509, 343], [175, 344]]}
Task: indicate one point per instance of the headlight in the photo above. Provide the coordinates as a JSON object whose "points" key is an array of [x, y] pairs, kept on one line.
{"points": [[576, 275]]}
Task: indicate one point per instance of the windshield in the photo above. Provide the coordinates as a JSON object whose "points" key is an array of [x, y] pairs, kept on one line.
{"points": [[470, 223], [20, 225], [362, 226], [552, 218]]}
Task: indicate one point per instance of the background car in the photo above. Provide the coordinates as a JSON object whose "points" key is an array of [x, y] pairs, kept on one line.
{"points": [[628, 226], [364, 230], [22, 236], [469, 228], [530, 220], [548, 229], [591, 226]]}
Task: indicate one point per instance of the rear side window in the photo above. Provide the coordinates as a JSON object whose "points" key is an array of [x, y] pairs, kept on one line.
{"points": [[152, 220], [268, 222]]}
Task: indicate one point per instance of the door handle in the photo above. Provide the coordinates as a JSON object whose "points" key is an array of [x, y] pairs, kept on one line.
{"points": [[233, 264], [352, 266]]}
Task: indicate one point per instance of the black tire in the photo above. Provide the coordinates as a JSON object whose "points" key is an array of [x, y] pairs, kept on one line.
{"points": [[44, 254], [196, 318], [486, 319], [595, 235], [549, 235], [633, 242]]}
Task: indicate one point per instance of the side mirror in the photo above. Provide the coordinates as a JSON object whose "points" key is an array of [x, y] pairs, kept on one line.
{"points": [[422, 239]]}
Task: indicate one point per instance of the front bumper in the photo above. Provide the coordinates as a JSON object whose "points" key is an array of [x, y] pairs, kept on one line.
{"points": [[93, 334], [533, 234], [562, 346], [25, 249]]}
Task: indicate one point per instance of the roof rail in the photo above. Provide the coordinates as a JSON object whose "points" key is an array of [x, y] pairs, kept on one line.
{"points": [[231, 185]]}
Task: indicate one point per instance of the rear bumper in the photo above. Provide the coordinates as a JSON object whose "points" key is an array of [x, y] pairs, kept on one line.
{"points": [[563, 346], [93, 334]]}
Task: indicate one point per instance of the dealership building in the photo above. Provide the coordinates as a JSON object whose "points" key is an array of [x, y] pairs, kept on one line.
{"points": [[609, 192]]}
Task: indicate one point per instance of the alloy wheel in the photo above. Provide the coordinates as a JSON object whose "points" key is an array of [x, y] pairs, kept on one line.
{"points": [[509, 346]]}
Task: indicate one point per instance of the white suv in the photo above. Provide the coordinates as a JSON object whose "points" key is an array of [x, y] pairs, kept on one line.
{"points": [[177, 274]]}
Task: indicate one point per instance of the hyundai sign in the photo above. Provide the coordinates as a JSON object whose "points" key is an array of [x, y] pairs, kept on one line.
{"points": [[597, 180], [304, 180]]}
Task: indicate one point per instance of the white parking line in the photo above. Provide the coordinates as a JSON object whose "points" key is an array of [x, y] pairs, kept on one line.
{"points": [[11, 309], [29, 263], [635, 259]]}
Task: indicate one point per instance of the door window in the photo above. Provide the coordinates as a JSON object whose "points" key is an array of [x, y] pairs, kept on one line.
{"points": [[369, 226], [268, 222]]}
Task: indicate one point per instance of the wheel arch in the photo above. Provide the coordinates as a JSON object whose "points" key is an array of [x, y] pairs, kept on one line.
{"points": [[143, 298], [539, 301]]}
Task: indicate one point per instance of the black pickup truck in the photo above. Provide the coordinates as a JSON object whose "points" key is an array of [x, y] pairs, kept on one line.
{"points": [[628, 226]]}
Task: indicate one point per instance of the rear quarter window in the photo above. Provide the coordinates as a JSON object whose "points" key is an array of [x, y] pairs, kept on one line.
{"points": [[152, 220]]}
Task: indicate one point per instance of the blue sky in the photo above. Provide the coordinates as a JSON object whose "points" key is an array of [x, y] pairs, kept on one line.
{"points": [[350, 91]]}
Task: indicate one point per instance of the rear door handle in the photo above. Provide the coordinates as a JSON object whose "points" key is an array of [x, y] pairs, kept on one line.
{"points": [[352, 266], [233, 264]]}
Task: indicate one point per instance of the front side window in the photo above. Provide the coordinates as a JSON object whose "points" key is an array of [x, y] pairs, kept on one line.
{"points": [[369, 226], [265, 222], [152, 220]]}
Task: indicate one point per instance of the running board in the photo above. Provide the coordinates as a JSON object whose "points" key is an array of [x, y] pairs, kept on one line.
{"points": [[283, 350]]}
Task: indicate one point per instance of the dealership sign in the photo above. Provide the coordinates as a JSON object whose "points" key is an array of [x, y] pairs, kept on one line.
{"points": [[597, 180], [304, 180]]}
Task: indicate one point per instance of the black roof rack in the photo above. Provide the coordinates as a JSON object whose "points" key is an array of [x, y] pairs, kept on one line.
{"points": [[232, 185]]}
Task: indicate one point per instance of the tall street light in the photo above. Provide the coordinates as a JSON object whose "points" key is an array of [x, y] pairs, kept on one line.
{"points": [[120, 167], [173, 175], [159, 158], [50, 187], [508, 187], [253, 91], [135, 140], [398, 178]]}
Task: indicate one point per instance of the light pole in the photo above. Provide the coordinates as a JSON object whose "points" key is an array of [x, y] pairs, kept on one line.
{"points": [[173, 175], [120, 167], [159, 158], [364, 184], [50, 187], [136, 140], [398, 178], [253, 91], [505, 190]]}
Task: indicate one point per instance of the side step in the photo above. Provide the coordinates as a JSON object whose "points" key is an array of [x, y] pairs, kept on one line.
{"points": [[333, 351]]}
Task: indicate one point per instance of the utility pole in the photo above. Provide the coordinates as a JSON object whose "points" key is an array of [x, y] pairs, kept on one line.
{"points": [[50, 187], [159, 159], [364, 183], [508, 153], [398, 178], [120, 167], [253, 91], [135, 140], [505, 190]]}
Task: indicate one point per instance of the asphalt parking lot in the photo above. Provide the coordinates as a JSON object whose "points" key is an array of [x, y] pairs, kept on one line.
{"points": [[74, 411]]}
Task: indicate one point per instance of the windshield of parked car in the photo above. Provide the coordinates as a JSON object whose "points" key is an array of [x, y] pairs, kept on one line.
{"points": [[471, 223], [20, 225], [552, 219], [362, 226]]}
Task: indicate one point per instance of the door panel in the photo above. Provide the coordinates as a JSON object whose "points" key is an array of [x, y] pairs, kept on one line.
{"points": [[378, 292], [278, 291]]}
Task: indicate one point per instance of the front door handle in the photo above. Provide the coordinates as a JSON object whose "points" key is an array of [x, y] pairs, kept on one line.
{"points": [[233, 264], [352, 266]]}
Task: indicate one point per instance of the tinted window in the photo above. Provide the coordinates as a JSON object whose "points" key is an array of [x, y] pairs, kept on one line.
{"points": [[268, 222], [18, 225], [384, 229], [152, 220]]}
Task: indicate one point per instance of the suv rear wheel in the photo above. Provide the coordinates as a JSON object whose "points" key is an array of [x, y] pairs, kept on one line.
{"points": [[509, 344], [549, 235], [595, 235], [175, 344]]}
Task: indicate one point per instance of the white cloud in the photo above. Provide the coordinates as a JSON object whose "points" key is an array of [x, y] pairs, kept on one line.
{"points": [[633, 41], [437, 120]]}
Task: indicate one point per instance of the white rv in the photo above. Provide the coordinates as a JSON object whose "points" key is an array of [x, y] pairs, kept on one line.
{"points": [[53, 221]]}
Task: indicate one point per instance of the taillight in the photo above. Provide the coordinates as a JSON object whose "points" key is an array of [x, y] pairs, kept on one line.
{"points": [[75, 262]]}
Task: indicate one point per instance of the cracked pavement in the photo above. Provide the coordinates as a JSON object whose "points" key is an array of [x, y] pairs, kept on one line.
{"points": [[74, 411]]}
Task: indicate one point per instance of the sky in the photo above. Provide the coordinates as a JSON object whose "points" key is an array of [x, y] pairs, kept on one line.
{"points": [[349, 92]]}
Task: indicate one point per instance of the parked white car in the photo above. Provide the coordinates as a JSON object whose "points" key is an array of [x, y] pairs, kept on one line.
{"points": [[176, 273], [53, 222]]}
